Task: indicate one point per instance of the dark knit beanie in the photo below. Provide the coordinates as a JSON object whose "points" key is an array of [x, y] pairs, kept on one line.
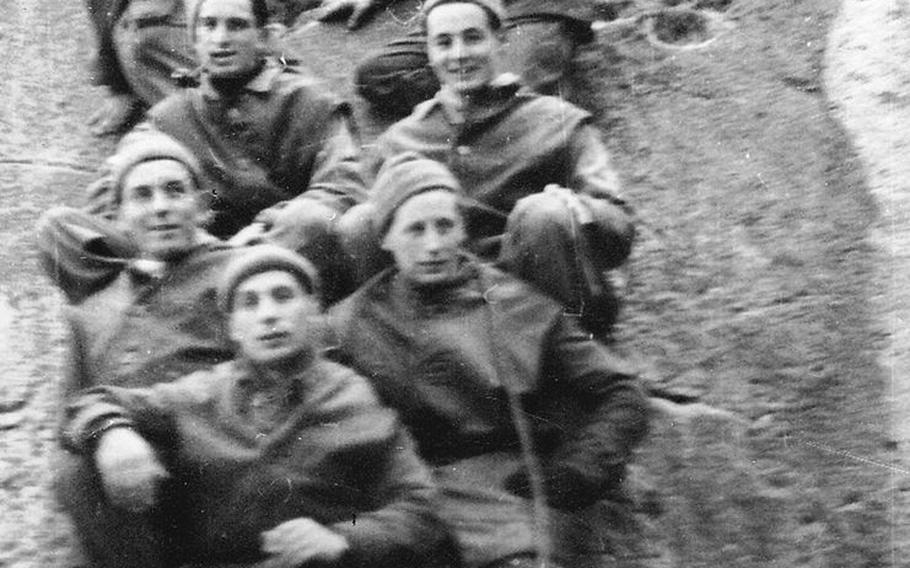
{"points": [[494, 8], [145, 145], [401, 178], [263, 258]]}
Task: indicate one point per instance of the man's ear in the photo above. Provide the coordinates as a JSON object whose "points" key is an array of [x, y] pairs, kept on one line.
{"points": [[204, 213], [272, 36]]}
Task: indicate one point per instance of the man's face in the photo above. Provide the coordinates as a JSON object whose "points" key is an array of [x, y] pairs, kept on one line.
{"points": [[462, 47], [273, 319], [228, 43], [425, 237], [160, 208]]}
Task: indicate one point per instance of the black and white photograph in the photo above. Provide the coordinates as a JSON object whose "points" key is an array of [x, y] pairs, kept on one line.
{"points": [[455, 284]]}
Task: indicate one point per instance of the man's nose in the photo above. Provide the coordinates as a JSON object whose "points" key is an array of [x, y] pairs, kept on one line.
{"points": [[161, 203], [459, 49], [268, 311], [432, 241], [219, 33]]}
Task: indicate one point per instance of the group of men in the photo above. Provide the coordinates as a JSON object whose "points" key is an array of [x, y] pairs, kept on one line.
{"points": [[459, 402]]}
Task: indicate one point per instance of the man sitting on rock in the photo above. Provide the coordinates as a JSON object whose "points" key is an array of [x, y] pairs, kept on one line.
{"points": [[541, 40], [278, 157], [524, 418], [279, 457], [542, 193]]}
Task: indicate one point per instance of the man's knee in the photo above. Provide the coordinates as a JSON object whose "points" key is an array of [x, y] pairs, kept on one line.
{"points": [[80, 252], [540, 216]]}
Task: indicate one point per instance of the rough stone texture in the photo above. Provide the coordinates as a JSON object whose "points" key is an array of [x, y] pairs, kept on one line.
{"points": [[868, 81], [699, 500]]}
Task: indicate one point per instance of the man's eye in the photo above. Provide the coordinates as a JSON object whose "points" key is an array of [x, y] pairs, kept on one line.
{"points": [[236, 25], [207, 23], [283, 293], [443, 42], [474, 36], [445, 225], [416, 228], [141, 193], [248, 300], [175, 188]]}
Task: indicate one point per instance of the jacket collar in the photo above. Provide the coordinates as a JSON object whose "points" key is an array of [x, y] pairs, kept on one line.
{"points": [[499, 96], [262, 83]]}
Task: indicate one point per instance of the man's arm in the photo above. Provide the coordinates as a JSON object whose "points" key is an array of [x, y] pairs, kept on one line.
{"points": [[336, 184], [404, 529], [605, 388]]}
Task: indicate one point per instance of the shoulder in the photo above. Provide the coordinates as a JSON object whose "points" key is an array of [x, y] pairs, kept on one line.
{"points": [[372, 292], [342, 392], [303, 87], [174, 105], [548, 108]]}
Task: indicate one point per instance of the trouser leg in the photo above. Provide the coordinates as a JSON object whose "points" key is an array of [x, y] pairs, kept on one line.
{"points": [[80, 253], [312, 231], [545, 246], [398, 77], [150, 56], [110, 537]]}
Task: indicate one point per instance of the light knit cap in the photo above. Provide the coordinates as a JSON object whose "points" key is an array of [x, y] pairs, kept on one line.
{"points": [[493, 7], [402, 177], [264, 258], [146, 145]]}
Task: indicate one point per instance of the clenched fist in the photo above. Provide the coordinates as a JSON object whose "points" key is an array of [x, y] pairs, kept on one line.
{"points": [[130, 471]]}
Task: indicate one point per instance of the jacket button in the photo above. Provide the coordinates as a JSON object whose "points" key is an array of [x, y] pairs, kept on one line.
{"points": [[463, 150]]}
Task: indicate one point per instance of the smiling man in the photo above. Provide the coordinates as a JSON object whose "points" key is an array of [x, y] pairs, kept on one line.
{"points": [[542, 197], [278, 457]]}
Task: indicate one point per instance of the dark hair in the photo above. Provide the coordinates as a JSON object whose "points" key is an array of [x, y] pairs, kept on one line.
{"points": [[492, 18], [260, 12], [260, 9]]}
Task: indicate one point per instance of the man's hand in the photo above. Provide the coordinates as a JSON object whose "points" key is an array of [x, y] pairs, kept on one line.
{"points": [[129, 469], [299, 541], [359, 10], [114, 114]]}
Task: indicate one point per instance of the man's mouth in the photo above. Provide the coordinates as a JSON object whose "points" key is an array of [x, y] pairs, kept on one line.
{"points": [[464, 70], [165, 229], [274, 337], [221, 56], [432, 265]]}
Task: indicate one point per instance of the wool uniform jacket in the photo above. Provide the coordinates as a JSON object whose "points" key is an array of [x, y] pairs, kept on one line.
{"points": [[283, 137], [444, 360], [140, 330], [337, 457], [509, 144]]}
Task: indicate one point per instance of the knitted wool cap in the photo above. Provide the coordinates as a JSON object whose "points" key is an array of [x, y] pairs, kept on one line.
{"points": [[401, 178], [264, 258], [146, 145], [494, 8]]}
